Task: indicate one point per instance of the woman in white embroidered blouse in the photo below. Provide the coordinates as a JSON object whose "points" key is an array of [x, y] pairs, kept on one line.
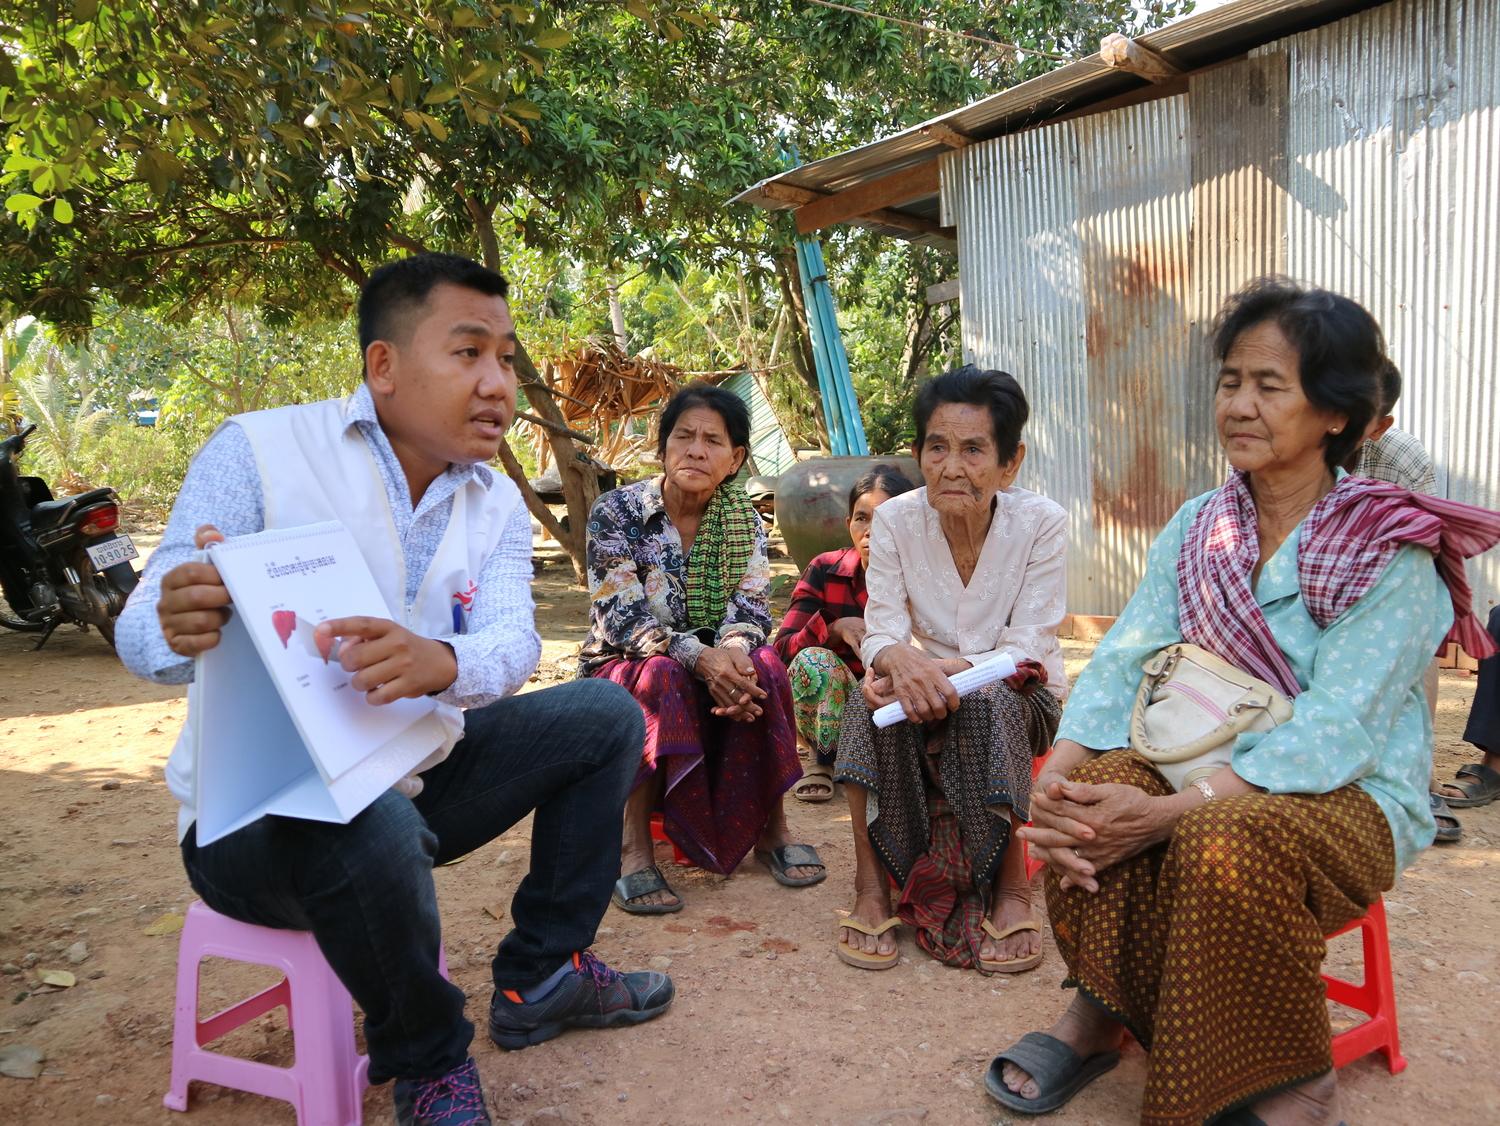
{"points": [[961, 571]]}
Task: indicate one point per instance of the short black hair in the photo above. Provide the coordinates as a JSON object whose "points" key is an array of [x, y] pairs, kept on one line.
{"points": [[887, 479], [1390, 387], [1340, 350], [401, 286], [726, 404], [997, 390]]}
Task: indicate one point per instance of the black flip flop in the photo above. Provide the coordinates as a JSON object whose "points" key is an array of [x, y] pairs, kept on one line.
{"points": [[644, 882], [1449, 831], [793, 856], [1056, 1068], [1484, 788]]}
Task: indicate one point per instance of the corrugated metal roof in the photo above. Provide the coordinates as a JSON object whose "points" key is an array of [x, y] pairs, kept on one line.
{"points": [[1192, 43]]}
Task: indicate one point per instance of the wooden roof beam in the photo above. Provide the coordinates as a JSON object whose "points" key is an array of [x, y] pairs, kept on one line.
{"points": [[1124, 53], [873, 196], [799, 197]]}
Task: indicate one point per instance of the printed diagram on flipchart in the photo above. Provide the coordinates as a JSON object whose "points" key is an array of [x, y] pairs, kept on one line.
{"points": [[298, 634]]}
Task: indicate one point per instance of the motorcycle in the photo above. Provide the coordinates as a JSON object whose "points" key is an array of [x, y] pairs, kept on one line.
{"points": [[60, 560]]}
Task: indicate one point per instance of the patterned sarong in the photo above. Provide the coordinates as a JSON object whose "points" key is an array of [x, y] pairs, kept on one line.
{"points": [[821, 683], [941, 829], [1208, 948], [723, 777]]}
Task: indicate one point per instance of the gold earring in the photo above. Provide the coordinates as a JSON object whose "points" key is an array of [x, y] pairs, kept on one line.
{"points": [[1334, 429]]}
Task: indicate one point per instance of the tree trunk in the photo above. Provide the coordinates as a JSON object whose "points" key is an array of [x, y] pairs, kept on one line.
{"points": [[617, 319], [580, 481], [801, 337]]}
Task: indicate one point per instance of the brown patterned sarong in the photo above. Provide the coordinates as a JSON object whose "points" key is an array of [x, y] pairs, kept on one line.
{"points": [[940, 823], [1209, 948]]}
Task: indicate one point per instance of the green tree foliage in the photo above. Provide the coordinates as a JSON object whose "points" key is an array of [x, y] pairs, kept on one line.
{"points": [[269, 153]]}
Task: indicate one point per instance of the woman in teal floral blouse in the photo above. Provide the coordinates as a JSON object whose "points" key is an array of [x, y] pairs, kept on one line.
{"points": [[679, 579], [1194, 919]]}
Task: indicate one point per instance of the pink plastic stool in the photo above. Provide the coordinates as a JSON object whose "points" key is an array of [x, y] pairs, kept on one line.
{"points": [[327, 1079], [1376, 997]]}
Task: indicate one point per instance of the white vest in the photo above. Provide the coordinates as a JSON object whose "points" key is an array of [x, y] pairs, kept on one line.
{"points": [[314, 467]]}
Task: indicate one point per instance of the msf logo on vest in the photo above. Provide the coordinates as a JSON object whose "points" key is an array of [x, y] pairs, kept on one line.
{"points": [[463, 605]]}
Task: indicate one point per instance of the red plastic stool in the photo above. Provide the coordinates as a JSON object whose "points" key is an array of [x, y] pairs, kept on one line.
{"points": [[659, 833], [1376, 998], [1034, 866]]}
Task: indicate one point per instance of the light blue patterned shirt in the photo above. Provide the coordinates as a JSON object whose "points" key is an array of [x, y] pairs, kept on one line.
{"points": [[223, 488], [1361, 717]]}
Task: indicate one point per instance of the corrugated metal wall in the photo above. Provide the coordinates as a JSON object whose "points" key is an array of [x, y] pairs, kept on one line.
{"points": [[769, 448], [1094, 254]]}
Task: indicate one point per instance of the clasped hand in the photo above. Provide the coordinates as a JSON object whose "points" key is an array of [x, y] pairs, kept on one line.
{"points": [[729, 675], [1079, 829], [388, 661], [918, 681]]}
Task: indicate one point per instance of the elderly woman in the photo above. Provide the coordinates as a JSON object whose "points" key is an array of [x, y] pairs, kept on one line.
{"points": [[1192, 915], [679, 577], [965, 570], [820, 636]]}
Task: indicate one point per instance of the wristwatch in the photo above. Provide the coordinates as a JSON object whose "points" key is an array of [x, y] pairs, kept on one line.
{"points": [[1202, 786]]}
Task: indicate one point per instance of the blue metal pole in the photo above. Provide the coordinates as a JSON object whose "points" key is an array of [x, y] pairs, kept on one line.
{"points": [[810, 269], [843, 384], [846, 433]]}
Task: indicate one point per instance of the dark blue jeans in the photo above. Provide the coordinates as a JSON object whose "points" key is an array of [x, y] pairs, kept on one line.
{"points": [[365, 889]]}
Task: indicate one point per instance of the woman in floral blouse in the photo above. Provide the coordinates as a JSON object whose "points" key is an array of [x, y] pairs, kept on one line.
{"points": [[679, 579]]}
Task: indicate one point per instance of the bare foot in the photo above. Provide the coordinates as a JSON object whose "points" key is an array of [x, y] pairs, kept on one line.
{"points": [[1083, 1028], [1314, 1103], [633, 860], [871, 908], [1011, 906]]}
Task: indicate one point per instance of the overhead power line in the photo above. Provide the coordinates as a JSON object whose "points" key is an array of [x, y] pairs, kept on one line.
{"points": [[982, 39]]}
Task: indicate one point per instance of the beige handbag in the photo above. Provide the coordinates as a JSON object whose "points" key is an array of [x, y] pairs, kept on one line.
{"points": [[1191, 707]]}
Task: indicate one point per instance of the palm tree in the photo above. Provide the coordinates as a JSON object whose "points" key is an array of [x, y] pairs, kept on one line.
{"points": [[54, 391]]}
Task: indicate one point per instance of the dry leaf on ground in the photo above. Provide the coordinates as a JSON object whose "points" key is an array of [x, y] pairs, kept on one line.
{"points": [[170, 923], [21, 1061], [62, 979]]}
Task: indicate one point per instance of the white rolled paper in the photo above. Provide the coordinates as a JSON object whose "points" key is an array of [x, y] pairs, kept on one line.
{"points": [[976, 676]]}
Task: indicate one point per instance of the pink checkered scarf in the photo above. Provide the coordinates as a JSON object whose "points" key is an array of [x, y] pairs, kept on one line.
{"points": [[1347, 540]]}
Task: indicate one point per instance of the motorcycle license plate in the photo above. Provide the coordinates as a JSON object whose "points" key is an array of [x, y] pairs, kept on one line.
{"points": [[110, 552]]}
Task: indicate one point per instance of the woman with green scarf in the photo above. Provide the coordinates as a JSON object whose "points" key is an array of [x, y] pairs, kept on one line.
{"points": [[679, 578]]}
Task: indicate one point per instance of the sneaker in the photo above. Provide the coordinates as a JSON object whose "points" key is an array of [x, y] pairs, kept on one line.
{"points": [[455, 1099], [591, 996]]}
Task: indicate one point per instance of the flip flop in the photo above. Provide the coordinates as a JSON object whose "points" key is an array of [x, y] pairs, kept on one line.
{"points": [[1057, 1069], [1484, 788], [793, 856], [815, 775], [1448, 829], [643, 882], [1011, 965], [852, 956]]}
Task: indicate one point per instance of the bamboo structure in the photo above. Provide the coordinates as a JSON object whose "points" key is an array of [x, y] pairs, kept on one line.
{"points": [[602, 393]]}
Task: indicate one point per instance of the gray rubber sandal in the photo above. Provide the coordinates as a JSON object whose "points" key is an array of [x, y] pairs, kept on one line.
{"points": [[1449, 831], [1056, 1068], [1481, 788], [793, 856], [644, 882]]}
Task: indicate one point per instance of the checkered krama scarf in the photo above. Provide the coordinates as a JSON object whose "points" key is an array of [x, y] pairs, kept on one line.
{"points": [[721, 552], [1347, 540]]}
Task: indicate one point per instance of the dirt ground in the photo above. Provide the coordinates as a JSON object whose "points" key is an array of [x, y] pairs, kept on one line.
{"points": [[768, 1024]]}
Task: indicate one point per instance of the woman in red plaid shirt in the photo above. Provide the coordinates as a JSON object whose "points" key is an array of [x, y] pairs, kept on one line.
{"points": [[820, 635]]}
